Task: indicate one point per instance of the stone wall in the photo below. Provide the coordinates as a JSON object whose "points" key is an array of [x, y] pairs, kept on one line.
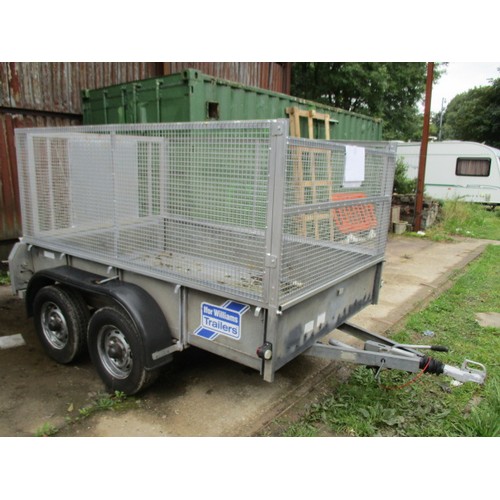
{"points": [[406, 205]]}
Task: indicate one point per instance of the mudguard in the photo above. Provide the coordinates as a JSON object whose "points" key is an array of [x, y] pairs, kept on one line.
{"points": [[137, 303]]}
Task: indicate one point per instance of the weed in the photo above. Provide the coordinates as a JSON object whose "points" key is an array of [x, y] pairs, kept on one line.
{"points": [[301, 429], [46, 430], [103, 402], [86, 411]]}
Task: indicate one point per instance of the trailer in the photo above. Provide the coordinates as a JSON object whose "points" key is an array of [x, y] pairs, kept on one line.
{"points": [[142, 240], [457, 170]]}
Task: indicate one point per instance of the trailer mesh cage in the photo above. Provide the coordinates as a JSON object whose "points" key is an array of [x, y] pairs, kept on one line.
{"points": [[235, 208]]}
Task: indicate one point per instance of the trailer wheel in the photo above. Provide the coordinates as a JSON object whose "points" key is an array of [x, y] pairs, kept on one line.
{"points": [[61, 317], [117, 351]]}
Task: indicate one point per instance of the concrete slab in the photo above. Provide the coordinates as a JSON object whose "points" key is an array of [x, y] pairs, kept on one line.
{"points": [[488, 319], [201, 394], [10, 341]]}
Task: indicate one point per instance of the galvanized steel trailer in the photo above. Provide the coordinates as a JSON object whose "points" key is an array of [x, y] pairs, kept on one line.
{"points": [[142, 240]]}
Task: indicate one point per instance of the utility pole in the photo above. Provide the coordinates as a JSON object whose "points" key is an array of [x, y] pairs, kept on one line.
{"points": [[419, 202]]}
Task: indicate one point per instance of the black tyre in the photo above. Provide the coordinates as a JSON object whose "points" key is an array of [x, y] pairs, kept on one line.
{"points": [[117, 351], [61, 317]]}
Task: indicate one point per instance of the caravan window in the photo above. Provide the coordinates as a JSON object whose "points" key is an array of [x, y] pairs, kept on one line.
{"points": [[478, 167]]}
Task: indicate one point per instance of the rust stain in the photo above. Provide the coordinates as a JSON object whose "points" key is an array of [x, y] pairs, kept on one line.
{"points": [[7, 195], [14, 83]]}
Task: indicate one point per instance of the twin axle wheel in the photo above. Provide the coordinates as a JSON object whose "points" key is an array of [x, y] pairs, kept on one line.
{"points": [[61, 318], [116, 350], [64, 327]]}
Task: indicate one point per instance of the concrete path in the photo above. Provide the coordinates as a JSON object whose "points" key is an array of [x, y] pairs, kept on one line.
{"points": [[416, 270]]}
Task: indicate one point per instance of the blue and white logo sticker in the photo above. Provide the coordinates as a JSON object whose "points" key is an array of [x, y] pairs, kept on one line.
{"points": [[221, 320]]}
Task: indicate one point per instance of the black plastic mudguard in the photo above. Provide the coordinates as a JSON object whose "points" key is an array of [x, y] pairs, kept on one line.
{"points": [[143, 310]]}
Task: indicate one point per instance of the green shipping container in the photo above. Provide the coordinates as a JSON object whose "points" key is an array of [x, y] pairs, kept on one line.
{"points": [[193, 96]]}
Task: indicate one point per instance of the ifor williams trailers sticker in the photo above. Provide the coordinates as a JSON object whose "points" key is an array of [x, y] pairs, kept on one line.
{"points": [[221, 320]]}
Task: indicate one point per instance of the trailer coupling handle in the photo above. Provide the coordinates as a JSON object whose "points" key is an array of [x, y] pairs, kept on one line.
{"points": [[466, 373]]}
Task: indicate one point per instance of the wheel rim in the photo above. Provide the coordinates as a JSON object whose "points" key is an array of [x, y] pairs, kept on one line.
{"points": [[114, 351], [54, 326]]}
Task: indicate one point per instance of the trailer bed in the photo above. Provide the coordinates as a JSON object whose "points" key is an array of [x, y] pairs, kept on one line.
{"points": [[238, 278]]}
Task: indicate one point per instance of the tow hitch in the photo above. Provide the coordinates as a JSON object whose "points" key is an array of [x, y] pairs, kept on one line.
{"points": [[386, 354]]}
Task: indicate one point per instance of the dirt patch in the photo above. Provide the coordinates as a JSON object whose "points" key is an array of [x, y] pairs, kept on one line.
{"points": [[35, 389], [322, 387]]}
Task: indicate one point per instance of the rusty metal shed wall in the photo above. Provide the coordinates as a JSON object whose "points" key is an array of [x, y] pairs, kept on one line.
{"points": [[55, 87], [41, 94], [46, 94], [10, 213], [265, 75]]}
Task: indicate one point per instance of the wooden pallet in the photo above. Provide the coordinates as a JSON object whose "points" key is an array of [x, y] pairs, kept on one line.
{"points": [[308, 180], [311, 115]]}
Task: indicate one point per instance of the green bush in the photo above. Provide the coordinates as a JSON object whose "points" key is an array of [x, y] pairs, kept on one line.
{"points": [[402, 183]]}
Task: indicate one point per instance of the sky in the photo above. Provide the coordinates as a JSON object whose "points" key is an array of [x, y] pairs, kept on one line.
{"points": [[460, 77]]}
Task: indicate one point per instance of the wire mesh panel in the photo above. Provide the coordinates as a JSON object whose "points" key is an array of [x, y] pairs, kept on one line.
{"points": [[185, 202], [336, 216], [232, 207]]}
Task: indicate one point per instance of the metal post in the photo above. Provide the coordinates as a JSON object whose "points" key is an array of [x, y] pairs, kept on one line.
{"points": [[275, 212], [274, 232], [423, 149]]}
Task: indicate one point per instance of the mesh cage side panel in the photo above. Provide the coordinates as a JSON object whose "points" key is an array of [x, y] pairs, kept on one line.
{"points": [[336, 213], [185, 202]]}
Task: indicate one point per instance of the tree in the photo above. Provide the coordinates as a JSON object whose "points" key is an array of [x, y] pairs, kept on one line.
{"points": [[493, 111], [390, 91], [475, 115]]}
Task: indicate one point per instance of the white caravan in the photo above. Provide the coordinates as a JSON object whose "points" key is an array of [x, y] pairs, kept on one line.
{"points": [[455, 169]]}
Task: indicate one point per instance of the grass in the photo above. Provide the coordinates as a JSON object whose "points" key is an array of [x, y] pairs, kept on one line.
{"points": [[432, 405], [472, 220]]}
